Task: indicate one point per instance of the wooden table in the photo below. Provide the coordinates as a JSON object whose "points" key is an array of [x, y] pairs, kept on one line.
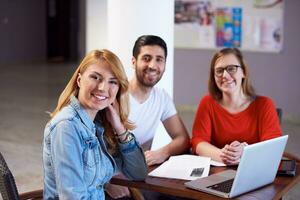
{"points": [[176, 187]]}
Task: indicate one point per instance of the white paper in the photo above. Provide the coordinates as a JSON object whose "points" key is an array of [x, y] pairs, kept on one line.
{"points": [[181, 167], [216, 163]]}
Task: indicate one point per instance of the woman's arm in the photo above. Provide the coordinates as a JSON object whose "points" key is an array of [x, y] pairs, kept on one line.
{"points": [[67, 162], [209, 150], [202, 127], [230, 154], [131, 160], [268, 120]]}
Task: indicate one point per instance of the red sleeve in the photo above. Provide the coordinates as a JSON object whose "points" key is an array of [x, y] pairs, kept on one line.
{"points": [[270, 127], [202, 123]]}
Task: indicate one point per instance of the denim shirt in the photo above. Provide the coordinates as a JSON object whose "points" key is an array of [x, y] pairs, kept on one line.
{"points": [[77, 163]]}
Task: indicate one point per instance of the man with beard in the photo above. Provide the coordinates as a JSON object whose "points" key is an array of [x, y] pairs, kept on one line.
{"points": [[149, 105]]}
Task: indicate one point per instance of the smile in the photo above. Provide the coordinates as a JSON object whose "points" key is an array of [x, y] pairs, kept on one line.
{"points": [[100, 97], [152, 73], [228, 82]]}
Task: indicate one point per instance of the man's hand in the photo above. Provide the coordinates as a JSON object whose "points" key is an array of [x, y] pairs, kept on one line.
{"points": [[155, 157], [231, 154], [116, 191]]}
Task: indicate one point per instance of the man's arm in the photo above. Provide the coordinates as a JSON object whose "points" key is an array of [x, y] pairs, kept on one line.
{"points": [[180, 141]]}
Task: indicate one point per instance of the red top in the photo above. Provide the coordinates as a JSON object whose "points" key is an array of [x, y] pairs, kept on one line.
{"points": [[217, 126]]}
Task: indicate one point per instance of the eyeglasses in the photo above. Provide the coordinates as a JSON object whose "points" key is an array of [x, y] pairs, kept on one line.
{"points": [[230, 69]]}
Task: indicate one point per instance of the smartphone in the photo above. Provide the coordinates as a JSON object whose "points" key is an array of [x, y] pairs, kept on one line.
{"points": [[287, 167]]}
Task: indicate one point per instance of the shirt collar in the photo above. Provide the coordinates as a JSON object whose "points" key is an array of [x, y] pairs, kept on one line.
{"points": [[85, 118]]}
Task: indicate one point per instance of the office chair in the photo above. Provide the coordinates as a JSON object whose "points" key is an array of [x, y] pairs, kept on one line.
{"points": [[279, 114], [286, 154], [8, 186]]}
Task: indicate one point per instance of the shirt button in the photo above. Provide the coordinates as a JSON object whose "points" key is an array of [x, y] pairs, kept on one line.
{"points": [[99, 186]]}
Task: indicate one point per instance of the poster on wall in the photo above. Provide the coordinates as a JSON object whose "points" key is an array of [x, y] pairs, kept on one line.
{"points": [[228, 27], [255, 25], [194, 24]]}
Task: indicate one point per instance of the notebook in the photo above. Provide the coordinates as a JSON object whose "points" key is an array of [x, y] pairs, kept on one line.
{"points": [[258, 167]]}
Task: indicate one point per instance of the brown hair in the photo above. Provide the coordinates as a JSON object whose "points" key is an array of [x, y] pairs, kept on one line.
{"points": [[122, 97], [213, 89]]}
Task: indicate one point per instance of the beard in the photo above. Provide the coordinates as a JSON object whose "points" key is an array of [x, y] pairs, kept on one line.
{"points": [[144, 79]]}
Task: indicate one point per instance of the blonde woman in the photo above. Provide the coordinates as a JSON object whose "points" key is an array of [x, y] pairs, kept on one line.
{"points": [[88, 137]]}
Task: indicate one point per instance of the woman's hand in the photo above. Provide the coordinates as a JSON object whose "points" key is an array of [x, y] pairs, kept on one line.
{"points": [[113, 116], [231, 154]]}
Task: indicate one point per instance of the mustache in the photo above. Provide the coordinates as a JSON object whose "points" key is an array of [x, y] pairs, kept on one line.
{"points": [[151, 70]]}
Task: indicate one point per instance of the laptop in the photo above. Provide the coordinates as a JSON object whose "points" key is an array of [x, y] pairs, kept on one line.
{"points": [[258, 167]]}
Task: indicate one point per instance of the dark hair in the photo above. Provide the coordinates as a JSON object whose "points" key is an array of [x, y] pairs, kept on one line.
{"points": [[213, 89], [145, 40]]}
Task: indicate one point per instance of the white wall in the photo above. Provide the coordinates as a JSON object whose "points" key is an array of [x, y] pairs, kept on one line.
{"points": [[96, 24]]}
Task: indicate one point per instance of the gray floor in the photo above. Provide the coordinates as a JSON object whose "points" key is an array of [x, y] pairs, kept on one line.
{"points": [[29, 91]]}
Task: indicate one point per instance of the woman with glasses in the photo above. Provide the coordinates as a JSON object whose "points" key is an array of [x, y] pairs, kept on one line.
{"points": [[232, 115]]}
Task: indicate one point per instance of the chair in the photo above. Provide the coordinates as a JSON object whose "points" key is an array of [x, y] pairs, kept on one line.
{"points": [[136, 194], [286, 154], [8, 186], [279, 114]]}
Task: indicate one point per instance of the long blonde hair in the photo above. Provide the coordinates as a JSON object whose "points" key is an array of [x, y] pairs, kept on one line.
{"points": [[122, 97]]}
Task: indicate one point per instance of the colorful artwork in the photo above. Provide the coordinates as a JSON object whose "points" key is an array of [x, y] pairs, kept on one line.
{"points": [[194, 24], [250, 25], [228, 27], [200, 12]]}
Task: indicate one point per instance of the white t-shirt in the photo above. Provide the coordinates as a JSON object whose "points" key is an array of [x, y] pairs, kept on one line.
{"points": [[146, 116]]}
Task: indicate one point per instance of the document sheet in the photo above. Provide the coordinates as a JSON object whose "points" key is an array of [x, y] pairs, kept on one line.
{"points": [[186, 167]]}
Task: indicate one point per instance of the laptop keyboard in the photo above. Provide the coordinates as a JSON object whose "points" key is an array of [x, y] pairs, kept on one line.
{"points": [[223, 186]]}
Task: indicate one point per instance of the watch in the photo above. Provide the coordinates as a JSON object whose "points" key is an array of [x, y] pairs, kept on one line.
{"points": [[128, 138]]}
